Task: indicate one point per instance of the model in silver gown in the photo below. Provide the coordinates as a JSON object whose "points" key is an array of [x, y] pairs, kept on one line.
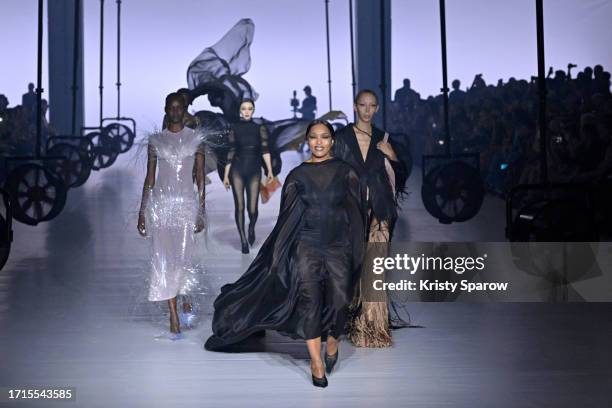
{"points": [[172, 208], [172, 213]]}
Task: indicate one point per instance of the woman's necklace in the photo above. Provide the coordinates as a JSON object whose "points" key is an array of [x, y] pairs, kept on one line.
{"points": [[363, 131], [364, 139]]}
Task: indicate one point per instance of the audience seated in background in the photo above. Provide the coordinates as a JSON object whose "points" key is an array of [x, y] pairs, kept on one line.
{"points": [[500, 122]]}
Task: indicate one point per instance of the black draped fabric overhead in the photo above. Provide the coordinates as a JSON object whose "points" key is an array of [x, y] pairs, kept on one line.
{"points": [[322, 219], [217, 71]]}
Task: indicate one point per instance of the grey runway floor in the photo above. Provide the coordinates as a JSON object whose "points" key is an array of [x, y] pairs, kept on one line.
{"points": [[73, 313]]}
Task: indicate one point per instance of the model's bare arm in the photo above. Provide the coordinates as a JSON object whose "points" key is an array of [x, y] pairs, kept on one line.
{"points": [[147, 188]]}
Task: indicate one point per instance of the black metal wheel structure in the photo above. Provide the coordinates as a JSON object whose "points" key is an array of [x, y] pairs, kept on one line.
{"points": [[75, 169], [38, 194], [453, 192], [105, 149], [86, 146], [121, 133]]}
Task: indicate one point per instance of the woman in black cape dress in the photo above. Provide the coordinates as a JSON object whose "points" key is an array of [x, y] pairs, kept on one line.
{"points": [[300, 283]]}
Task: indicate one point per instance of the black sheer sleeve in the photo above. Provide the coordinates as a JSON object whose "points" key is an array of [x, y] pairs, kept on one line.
{"points": [[263, 133]]}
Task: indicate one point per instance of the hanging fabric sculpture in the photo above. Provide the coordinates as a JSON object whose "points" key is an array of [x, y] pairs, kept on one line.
{"points": [[217, 71]]}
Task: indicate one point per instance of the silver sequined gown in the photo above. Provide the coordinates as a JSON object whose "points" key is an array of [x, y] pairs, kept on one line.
{"points": [[171, 215]]}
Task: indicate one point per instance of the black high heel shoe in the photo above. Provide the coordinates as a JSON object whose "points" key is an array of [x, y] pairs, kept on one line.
{"points": [[330, 361], [245, 248], [318, 382]]}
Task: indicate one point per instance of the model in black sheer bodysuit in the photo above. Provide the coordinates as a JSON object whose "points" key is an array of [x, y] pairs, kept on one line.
{"points": [[300, 283], [248, 144]]}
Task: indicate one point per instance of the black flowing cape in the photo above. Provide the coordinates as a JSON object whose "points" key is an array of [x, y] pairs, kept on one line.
{"points": [[265, 296]]}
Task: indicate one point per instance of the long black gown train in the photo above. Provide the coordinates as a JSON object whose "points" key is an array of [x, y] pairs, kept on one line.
{"points": [[248, 142], [300, 283]]}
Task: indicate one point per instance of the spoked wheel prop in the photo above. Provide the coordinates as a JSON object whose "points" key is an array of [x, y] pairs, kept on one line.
{"points": [[452, 188], [38, 194], [75, 170], [113, 138], [117, 129], [452, 191], [122, 134], [6, 230], [105, 150], [84, 144]]}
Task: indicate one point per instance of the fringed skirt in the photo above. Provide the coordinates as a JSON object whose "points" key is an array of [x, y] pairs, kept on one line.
{"points": [[369, 325]]}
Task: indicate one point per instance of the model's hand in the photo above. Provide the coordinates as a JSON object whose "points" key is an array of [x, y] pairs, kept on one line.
{"points": [[226, 183], [141, 225], [269, 178], [387, 150], [199, 226]]}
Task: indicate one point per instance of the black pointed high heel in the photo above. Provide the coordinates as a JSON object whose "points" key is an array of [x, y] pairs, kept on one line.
{"points": [[330, 361], [316, 381], [319, 382], [245, 248]]}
